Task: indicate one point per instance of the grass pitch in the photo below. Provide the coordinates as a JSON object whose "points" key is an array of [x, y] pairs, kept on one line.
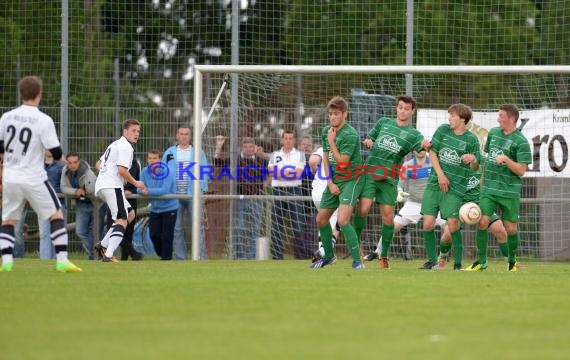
{"points": [[283, 310]]}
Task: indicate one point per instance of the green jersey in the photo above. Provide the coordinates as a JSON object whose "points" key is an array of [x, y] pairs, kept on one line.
{"points": [[473, 187], [348, 143], [391, 144], [449, 148], [499, 179]]}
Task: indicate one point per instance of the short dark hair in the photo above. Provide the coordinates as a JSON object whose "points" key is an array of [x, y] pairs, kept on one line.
{"points": [[248, 140], [30, 87], [72, 154], [130, 122], [462, 110], [511, 110], [154, 152], [408, 100], [287, 132], [338, 103]]}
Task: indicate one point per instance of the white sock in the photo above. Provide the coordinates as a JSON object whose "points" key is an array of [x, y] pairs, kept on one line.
{"points": [[379, 246], [115, 239], [59, 239]]}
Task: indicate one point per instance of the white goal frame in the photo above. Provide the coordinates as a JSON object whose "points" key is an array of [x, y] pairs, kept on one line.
{"points": [[315, 69]]}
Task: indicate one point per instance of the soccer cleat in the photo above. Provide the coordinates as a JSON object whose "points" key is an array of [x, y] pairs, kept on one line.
{"points": [[428, 266], [384, 263], [457, 267], [476, 266], [109, 259], [442, 260], [7, 266], [357, 264], [323, 262], [67, 267], [100, 249], [316, 256], [512, 267], [371, 256]]}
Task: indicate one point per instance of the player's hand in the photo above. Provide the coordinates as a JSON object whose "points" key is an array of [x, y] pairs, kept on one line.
{"points": [[331, 135], [402, 196], [368, 143], [502, 159], [333, 188], [468, 158], [443, 183], [139, 184], [426, 144]]}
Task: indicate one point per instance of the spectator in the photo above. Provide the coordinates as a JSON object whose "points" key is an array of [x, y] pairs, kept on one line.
{"points": [[178, 158], [286, 166], [162, 219], [78, 179], [247, 221]]}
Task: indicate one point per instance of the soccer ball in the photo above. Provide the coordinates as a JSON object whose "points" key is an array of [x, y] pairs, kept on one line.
{"points": [[470, 213]]}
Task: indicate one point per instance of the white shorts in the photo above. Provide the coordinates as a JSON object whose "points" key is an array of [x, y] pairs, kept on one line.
{"points": [[317, 195], [41, 197], [116, 201], [410, 213]]}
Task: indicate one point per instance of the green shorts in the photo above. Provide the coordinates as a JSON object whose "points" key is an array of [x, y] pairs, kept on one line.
{"points": [[447, 204], [510, 207], [382, 191], [349, 193]]}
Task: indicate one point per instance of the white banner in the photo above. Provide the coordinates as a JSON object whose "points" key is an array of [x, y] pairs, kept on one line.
{"points": [[547, 132]]}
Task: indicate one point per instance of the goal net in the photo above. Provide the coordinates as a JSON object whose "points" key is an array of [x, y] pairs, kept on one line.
{"points": [[260, 103]]}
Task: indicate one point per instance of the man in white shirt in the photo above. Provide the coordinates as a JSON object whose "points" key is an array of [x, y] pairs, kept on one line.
{"points": [[25, 133], [286, 166], [114, 167]]}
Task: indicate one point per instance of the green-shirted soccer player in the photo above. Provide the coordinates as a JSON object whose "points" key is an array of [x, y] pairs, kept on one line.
{"points": [[390, 140], [454, 154], [495, 225], [341, 151], [508, 156]]}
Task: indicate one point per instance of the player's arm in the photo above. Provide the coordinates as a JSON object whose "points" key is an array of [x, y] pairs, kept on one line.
{"points": [[517, 168], [125, 174], [441, 178], [333, 188], [372, 135]]}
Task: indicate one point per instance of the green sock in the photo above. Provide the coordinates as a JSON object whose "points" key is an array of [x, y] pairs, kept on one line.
{"points": [[504, 249], [444, 247], [429, 244], [351, 240], [482, 242], [513, 242], [387, 236], [457, 241], [358, 222], [326, 240]]}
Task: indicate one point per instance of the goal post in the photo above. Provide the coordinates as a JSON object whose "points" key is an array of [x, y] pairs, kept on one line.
{"points": [[273, 87]]}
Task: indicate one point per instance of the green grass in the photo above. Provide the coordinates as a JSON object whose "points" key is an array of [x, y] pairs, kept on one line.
{"points": [[282, 310]]}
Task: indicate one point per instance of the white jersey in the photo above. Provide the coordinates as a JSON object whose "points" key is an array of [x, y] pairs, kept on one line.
{"points": [[294, 159], [119, 153], [26, 132]]}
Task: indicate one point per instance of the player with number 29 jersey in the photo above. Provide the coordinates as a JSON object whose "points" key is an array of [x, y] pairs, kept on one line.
{"points": [[26, 132]]}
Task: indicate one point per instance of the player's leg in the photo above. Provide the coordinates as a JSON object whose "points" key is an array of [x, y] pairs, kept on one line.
{"points": [[117, 203], [444, 243], [510, 208], [367, 193], [350, 191], [430, 210], [12, 207], [498, 230], [325, 231], [43, 199], [450, 210], [487, 205]]}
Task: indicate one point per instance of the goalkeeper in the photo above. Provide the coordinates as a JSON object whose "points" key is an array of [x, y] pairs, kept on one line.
{"points": [[410, 191]]}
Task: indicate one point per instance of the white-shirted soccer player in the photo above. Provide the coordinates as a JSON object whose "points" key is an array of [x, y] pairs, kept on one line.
{"points": [[25, 133], [114, 167], [318, 188]]}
